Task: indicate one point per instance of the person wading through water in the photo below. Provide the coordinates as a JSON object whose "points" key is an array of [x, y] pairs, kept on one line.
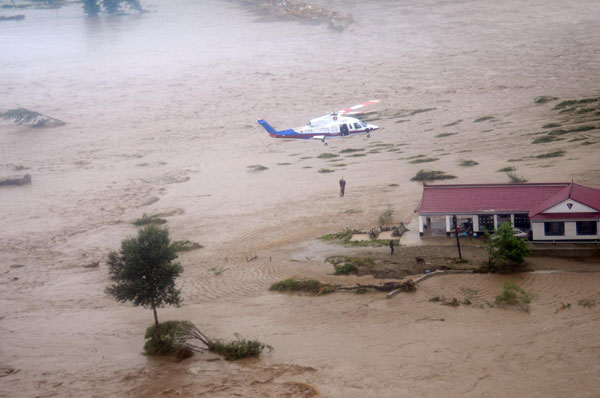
{"points": [[342, 186], [391, 247]]}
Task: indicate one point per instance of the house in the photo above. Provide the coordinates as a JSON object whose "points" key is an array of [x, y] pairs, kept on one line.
{"points": [[547, 211]]}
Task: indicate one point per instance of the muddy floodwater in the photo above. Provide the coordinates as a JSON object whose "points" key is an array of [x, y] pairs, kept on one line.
{"points": [[160, 112]]}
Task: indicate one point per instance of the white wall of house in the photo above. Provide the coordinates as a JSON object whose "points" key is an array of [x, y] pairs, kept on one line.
{"points": [[576, 207], [570, 231]]}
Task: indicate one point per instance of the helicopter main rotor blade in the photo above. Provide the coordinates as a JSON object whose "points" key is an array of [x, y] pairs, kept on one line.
{"points": [[352, 109]]}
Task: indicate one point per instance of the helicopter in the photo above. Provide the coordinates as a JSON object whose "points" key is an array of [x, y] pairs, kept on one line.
{"points": [[333, 125]]}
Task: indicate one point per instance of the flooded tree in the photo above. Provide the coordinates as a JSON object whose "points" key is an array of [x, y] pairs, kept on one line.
{"points": [[505, 251], [143, 270]]}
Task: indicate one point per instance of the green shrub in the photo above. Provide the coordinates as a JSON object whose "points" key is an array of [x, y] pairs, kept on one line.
{"points": [[345, 269], [514, 295], [239, 348], [167, 339]]}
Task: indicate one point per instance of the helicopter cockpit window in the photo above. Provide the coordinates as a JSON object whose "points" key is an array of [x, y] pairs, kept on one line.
{"points": [[363, 124], [357, 126]]}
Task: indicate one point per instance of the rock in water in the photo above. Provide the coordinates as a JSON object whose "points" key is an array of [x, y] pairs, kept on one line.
{"points": [[31, 119]]}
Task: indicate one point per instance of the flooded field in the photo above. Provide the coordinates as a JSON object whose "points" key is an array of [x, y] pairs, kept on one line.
{"points": [[160, 112]]}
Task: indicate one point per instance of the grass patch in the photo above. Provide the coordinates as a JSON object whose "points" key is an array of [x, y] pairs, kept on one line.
{"points": [[393, 185], [345, 238], [506, 169], [542, 99], [569, 103], [587, 303], [430, 175], [185, 246], [307, 167], [515, 178], [357, 155], [546, 138], [441, 135], [239, 348], [577, 139], [256, 167], [326, 171], [550, 125], [587, 143], [306, 157], [467, 163], [423, 160], [327, 155], [345, 265], [416, 157], [412, 113], [514, 295], [301, 285], [483, 119], [340, 165], [146, 220], [283, 164], [554, 154], [515, 160], [452, 124], [351, 150]]}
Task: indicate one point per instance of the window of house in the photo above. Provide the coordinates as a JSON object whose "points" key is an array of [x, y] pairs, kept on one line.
{"points": [[587, 227], [522, 221], [554, 228], [486, 222]]}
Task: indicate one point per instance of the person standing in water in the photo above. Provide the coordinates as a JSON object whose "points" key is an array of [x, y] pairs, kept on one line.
{"points": [[342, 186], [391, 247]]}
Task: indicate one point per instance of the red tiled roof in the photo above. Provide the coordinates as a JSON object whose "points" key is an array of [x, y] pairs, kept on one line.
{"points": [[587, 196], [566, 216], [471, 198]]}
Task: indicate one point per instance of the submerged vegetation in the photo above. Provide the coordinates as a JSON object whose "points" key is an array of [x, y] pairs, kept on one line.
{"points": [[147, 220], [553, 154], [301, 285], [430, 175], [483, 119], [514, 295], [256, 167], [467, 163]]}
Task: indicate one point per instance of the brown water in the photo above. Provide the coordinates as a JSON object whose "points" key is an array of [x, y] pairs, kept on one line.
{"points": [[160, 113]]}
